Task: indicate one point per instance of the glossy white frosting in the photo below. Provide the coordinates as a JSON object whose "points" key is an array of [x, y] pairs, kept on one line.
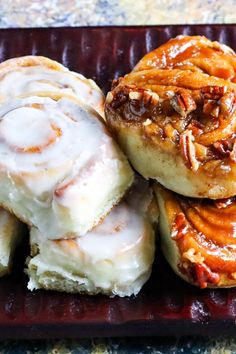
{"points": [[59, 168], [21, 76], [114, 258]]}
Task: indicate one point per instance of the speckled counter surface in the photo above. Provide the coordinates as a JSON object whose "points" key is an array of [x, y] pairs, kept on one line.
{"points": [[39, 13]]}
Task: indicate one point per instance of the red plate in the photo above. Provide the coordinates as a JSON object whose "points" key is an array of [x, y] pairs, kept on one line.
{"points": [[166, 305]]}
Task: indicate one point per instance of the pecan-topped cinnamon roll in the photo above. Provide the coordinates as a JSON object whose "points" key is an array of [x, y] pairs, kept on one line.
{"points": [[198, 238], [178, 126]]}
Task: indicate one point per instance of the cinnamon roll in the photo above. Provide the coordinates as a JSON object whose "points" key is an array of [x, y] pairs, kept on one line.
{"points": [[60, 170], [198, 238], [30, 74], [178, 125], [11, 235], [115, 258], [195, 53]]}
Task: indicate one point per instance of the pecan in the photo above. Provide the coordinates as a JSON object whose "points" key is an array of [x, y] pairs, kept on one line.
{"points": [[210, 107], [179, 227], [170, 131], [183, 103], [222, 147], [135, 95], [193, 256], [188, 150], [153, 96], [227, 104], [213, 92], [204, 275]]}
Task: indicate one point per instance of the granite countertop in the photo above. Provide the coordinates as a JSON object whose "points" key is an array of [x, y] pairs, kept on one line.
{"points": [[37, 13]]}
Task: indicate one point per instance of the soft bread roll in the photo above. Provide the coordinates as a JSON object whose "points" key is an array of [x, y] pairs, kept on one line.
{"points": [[198, 238], [60, 169], [11, 234], [115, 258], [29, 74], [178, 126], [195, 53]]}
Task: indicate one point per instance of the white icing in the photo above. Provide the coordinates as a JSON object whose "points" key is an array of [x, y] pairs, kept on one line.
{"points": [[24, 80], [116, 255], [66, 164]]}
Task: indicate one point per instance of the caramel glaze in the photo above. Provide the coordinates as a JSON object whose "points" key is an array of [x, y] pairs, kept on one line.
{"points": [[196, 53], [192, 113], [205, 234]]}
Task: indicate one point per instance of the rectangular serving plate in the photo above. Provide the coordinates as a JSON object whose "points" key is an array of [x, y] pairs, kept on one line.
{"points": [[166, 305]]}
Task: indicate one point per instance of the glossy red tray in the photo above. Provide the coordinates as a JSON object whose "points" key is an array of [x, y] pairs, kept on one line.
{"points": [[166, 305]]}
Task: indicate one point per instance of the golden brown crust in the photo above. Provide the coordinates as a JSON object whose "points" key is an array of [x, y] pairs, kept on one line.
{"points": [[195, 53], [204, 233], [183, 112]]}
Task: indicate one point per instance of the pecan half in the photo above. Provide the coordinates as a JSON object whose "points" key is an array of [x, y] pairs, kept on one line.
{"points": [[227, 104], [179, 227], [188, 150], [183, 103], [205, 275], [213, 92], [210, 107]]}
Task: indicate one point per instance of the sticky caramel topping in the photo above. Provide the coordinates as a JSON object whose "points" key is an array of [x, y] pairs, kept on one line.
{"points": [[205, 233], [195, 53], [188, 100]]}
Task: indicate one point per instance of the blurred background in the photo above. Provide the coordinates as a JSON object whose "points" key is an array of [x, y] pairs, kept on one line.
{"points": [[38, 13]]}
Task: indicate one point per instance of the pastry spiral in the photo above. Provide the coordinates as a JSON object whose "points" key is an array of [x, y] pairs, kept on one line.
{"points": [[60, 170], [30, 74], [177, 125], [115, 258], [198, 238], [195, 53], [11, 235]]}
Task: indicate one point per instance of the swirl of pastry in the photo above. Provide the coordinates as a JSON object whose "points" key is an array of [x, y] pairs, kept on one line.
{"points": [[195, 53], [178, 127], [198, 238], [11, 235], [30, 74], [115, 258], [60, 169]]}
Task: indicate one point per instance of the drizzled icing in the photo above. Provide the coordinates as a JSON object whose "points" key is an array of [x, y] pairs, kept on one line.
{"points": [[54, 153], [116, 256], [47, 76]]}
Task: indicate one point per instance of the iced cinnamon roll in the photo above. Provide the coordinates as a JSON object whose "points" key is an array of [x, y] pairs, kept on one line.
{"points": [[60, 169], [11, 235], [30, 74], [195, 53], [115, 258], [198, 238], [178, 126]]}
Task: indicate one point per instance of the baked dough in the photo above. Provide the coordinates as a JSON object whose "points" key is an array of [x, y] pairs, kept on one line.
{"points": [[195, 53], [30, 74], [198, 238], [177, 125], [11, 235], [115, 258], [60, 169]]}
